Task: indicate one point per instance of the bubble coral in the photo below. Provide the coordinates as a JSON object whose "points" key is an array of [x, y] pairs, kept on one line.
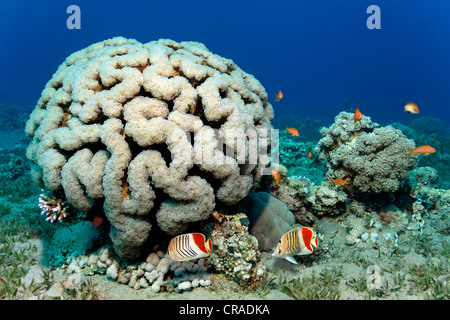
{"points": [[376, 159], [146, 130]]}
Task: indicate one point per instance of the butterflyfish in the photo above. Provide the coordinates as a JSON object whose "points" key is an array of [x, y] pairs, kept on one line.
{"points": [[189, 246], [298, 241]]}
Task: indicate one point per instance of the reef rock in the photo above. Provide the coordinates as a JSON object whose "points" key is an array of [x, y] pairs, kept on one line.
{"points": [[235, 251], [269, 219], [427, 124], [161, 128], [327, 200]]}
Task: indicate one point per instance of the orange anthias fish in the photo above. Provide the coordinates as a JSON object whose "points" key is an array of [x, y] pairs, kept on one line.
{"points": [[188, 247], [411, 108], [425, 150], [309, 154], [292, 131], [298, 241], [340, 182], [279, 96], [276, 176], [97, 222], [358, 115]]}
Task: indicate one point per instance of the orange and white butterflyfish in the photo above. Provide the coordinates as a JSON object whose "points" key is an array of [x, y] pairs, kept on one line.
{"points": [[425, 150], [357, 116], [279, 96], [189, 246], [292, 131], [298, 241], [411, 108]]}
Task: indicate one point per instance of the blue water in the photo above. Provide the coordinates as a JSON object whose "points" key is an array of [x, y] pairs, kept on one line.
{"points": [[317, 52]]}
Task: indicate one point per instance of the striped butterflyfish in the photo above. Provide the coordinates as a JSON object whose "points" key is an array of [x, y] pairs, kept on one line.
{"points": [[299, 241], [189, 246]]}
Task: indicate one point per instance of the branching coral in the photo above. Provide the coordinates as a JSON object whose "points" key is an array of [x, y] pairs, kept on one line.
{"points": [[375, 159], [54, 209], [150, 130]]}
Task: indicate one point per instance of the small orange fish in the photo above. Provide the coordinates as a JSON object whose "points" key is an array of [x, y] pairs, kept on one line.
{"points": [[292, 131], [411, 108], [340, 182], [310, 154], [358, 115], [97, 222], [276, 176], [425, 150], [279, 96]]}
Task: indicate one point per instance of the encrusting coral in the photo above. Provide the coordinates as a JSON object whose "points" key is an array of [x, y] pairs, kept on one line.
{"points": [[160, 128], [375, 159], [235, 251]]}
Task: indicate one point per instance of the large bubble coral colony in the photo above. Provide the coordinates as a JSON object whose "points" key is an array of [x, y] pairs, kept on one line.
{"points": [[114, 127]]}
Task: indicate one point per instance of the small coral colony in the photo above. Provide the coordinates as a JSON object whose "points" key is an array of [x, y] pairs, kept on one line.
{"points": [[98, 130]]}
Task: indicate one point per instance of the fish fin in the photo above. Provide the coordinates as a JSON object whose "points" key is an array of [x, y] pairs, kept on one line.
{"points": [[425, 154], [292, 260], [209, 246]]}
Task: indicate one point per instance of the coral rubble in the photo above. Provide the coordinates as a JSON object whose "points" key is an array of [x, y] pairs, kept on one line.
{"points": [[155, 273]]}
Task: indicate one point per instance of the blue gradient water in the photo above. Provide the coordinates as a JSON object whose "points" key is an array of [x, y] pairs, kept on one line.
{"points": [[317, 52]]}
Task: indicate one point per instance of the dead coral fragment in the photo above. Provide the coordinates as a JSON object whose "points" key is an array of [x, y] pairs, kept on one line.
{"points": [[236, 251]]}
